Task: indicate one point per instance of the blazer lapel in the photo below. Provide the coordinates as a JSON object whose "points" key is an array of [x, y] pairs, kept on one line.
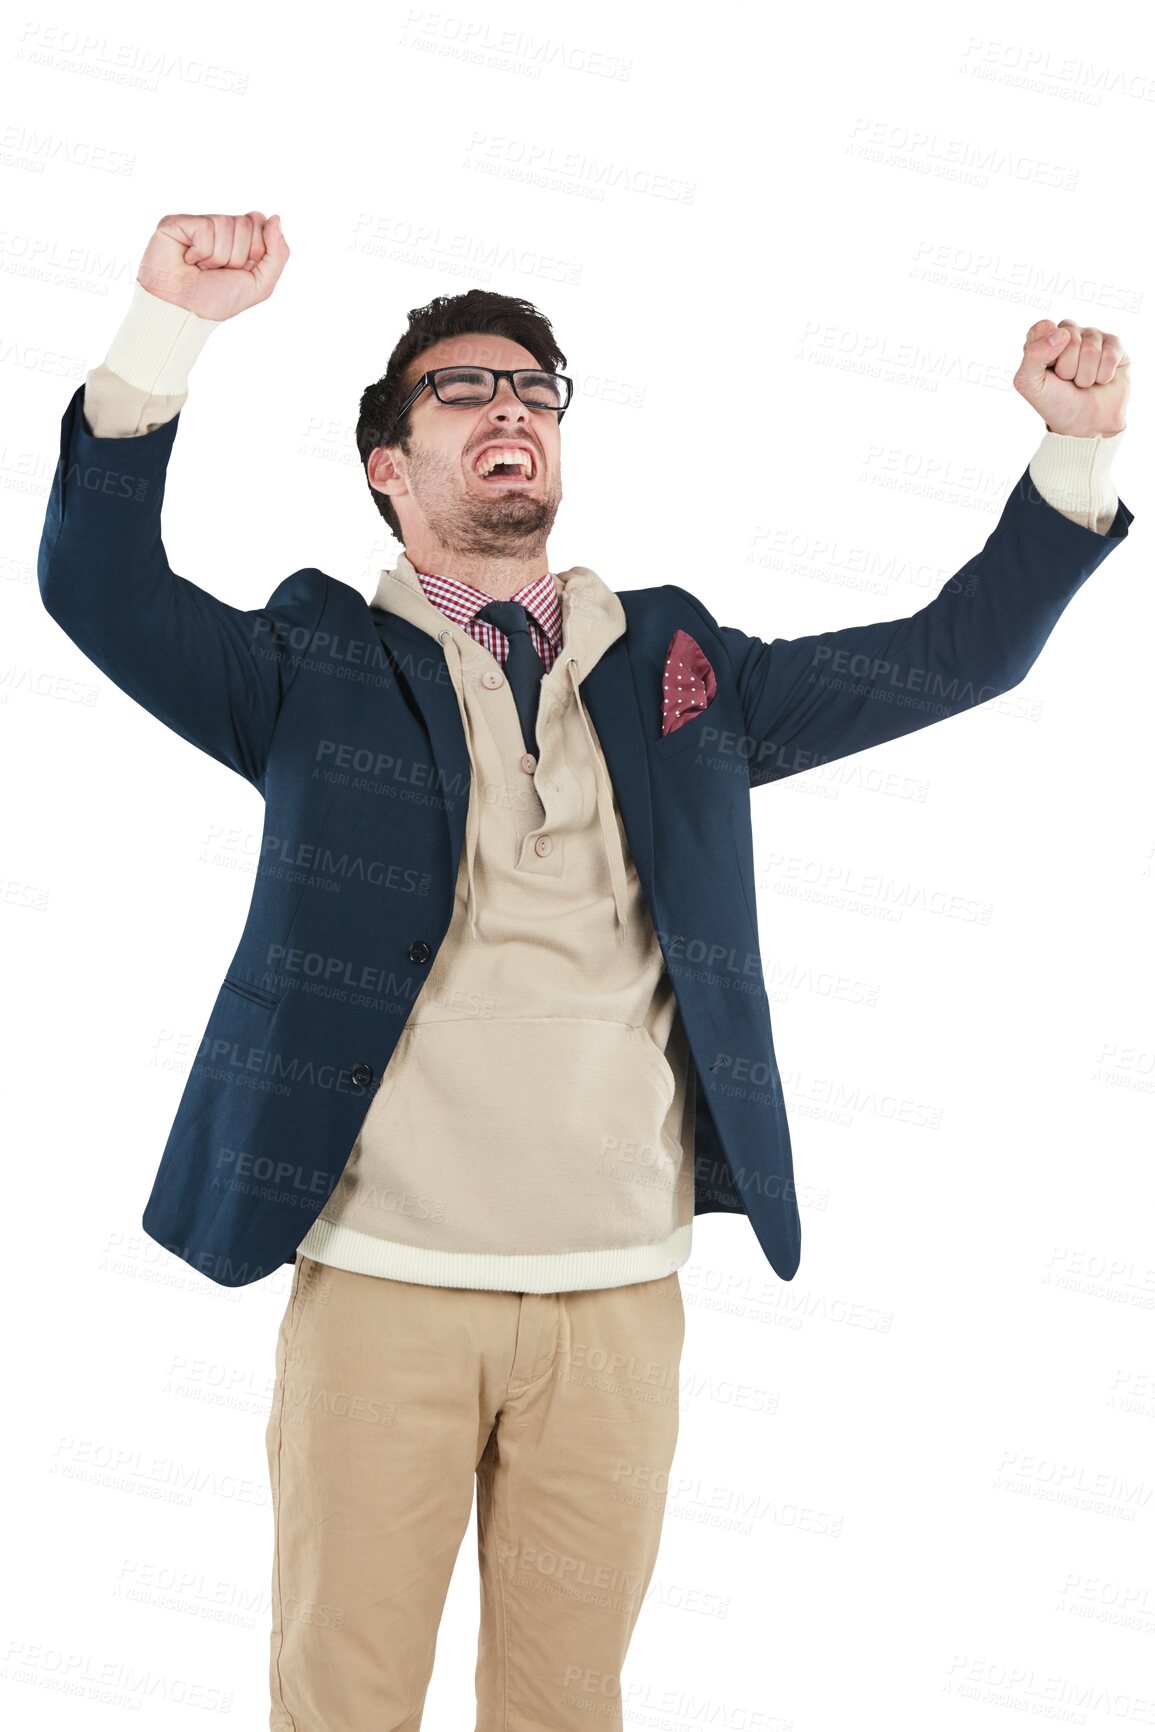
{"points": [[611, 697], [436, 699]]}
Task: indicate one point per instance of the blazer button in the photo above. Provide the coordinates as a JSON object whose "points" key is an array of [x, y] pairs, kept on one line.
{"points": [[543, 845], [493, 677], [362, 1074], [528, 763], [419, 951]]}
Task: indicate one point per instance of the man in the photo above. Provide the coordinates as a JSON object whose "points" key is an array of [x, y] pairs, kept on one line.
{"points": [[496, 1028]]}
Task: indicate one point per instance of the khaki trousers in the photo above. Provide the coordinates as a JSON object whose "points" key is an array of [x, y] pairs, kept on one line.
{"points": [[391, 1398]]}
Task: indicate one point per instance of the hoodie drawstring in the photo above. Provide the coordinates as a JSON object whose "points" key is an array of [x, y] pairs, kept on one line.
{"points": [[610, 839]]}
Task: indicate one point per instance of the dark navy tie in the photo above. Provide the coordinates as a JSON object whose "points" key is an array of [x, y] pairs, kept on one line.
{"points": [[523, 666]]}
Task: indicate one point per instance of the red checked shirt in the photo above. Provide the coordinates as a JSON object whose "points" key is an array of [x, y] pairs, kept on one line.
{"points": [[688, 684], [460, 601]]}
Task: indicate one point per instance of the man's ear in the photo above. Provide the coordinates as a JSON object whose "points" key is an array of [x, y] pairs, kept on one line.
{"points": [[383, 467]]}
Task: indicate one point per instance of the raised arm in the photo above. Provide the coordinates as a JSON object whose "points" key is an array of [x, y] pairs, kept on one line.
{"points": [[215, 674], [811, 700]]}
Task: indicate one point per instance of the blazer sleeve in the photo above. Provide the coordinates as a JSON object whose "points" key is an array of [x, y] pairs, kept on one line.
{"points": [[810, 700], [216, 675]]}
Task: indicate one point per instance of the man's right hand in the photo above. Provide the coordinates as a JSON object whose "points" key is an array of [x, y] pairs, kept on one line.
{"points": [[214, 266]]}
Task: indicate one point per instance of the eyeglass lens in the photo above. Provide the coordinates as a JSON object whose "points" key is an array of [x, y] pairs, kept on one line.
{"points": [[476, 385]]}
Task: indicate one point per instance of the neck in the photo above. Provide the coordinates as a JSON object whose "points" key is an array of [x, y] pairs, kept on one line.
{"points": [[497, 575]]}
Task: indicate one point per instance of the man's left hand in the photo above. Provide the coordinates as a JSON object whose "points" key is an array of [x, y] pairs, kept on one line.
{"points": [[1080, 385]]}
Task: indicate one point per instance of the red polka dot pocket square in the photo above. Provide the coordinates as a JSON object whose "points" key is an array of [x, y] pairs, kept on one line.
{"points": [[688, 683]]}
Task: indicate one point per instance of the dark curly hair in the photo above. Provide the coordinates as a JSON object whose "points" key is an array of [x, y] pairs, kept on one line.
{"points": [[477, 310]]}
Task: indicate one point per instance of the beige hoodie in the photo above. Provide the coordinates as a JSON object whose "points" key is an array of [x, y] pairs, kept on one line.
{"points": [[534, 1128]]}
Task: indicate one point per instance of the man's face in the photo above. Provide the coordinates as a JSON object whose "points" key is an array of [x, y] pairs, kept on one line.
{"points": [[437, 492]]}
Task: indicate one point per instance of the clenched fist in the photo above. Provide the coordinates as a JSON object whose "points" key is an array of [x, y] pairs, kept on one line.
{"points": [[214, 266], [1078, 378]]}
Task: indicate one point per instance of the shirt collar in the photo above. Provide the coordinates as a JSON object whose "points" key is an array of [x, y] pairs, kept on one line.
{"points": [[460, 601]]}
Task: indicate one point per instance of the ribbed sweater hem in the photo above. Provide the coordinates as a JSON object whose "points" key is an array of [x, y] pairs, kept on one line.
{"points": [[545, 1272]]}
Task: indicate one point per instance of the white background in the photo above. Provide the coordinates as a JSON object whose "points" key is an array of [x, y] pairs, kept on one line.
{"points": [[914, 1486]]}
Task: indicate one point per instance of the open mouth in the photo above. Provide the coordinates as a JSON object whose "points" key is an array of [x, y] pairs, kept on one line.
{"points": [[506, 466]]}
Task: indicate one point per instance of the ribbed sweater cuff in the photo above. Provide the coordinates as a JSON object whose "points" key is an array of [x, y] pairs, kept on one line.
{"points": [[157, 344], [1073, 474]]}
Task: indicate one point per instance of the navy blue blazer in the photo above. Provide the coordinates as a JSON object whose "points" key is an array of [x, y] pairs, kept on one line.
{"points": [[345, 719]]}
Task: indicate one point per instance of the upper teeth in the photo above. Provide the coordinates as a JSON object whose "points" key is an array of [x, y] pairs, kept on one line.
{"points": [[509, 454]]}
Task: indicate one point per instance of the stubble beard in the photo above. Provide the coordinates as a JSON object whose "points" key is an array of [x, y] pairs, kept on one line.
{"points": [[510, 524]]}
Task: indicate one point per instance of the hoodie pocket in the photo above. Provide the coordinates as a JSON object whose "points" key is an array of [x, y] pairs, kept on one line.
{"points": [[527, 1133], [580, 1063]]}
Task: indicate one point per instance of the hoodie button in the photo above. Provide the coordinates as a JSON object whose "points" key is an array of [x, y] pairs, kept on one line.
{"points": [[492, 677], [543, 845], [528, 763], [419, 951]]}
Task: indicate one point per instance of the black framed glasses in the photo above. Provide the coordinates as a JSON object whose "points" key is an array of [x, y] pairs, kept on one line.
{"points": [[468, 387]]}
